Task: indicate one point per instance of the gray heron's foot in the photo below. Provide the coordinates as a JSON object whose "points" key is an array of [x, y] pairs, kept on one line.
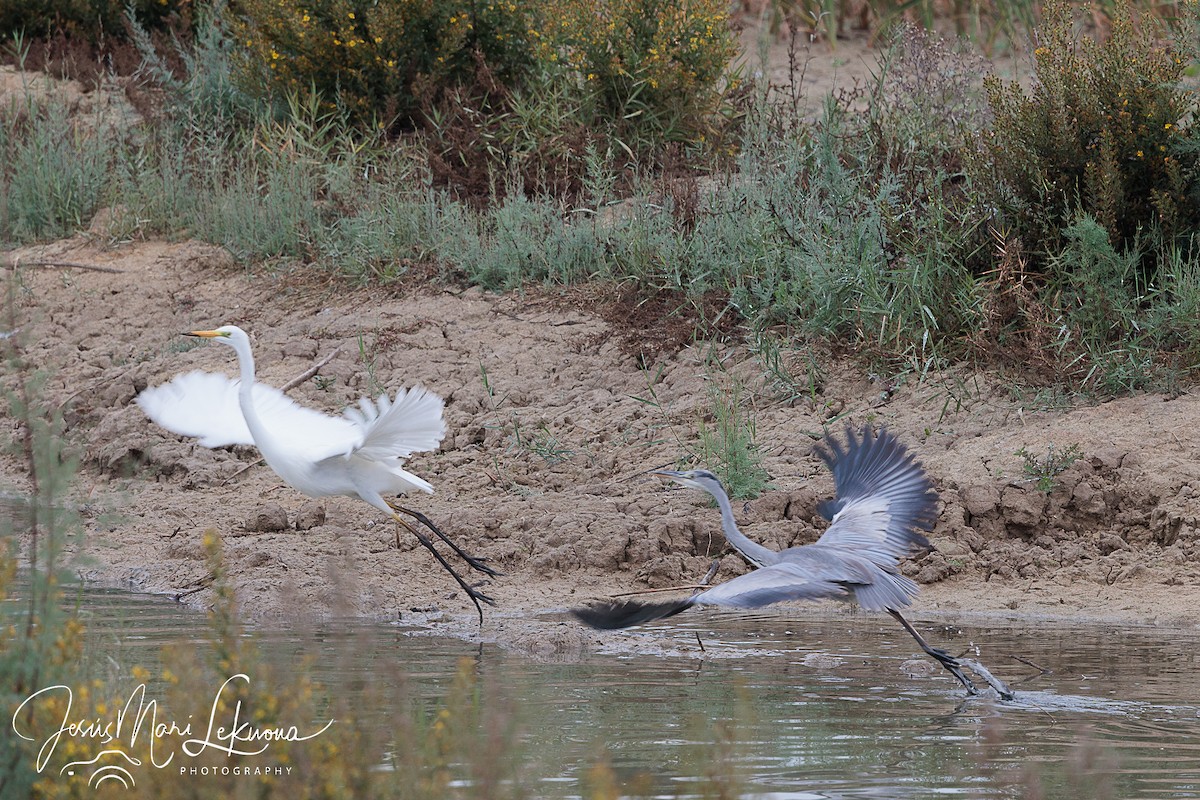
{"points": [[954, 668], [941, 656], [474, 562]]}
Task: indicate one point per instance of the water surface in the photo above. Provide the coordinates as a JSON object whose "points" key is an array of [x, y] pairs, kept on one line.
{"points": [[805, 707]]}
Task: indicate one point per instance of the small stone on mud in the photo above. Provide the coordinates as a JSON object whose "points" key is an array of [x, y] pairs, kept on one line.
{"points": [[917, 668], [822, 661], [980, 500], [310, 515], [300, 348], [268, 517], [1111, 543]]}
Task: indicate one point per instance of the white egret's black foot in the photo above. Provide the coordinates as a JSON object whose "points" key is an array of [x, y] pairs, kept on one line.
{"points": [[474, 562], [472, 590]]}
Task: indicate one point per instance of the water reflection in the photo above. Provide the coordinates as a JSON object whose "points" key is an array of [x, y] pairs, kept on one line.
{"points": [[1121, 701]]}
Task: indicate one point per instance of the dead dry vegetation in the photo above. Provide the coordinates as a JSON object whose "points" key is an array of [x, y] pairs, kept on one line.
{"points": [[554, 417]]}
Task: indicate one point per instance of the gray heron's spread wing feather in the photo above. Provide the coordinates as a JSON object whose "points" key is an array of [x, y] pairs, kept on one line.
{"points": [[806, 578], [811, 573], [884, 498], [761, 587], [614, 614], [814, 573]]}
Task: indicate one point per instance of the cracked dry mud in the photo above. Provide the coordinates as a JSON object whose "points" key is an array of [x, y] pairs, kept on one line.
{"points": [[552, 423]]}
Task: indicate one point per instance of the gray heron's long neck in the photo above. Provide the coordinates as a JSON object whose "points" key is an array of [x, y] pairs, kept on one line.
{"points": [[757, 554]]}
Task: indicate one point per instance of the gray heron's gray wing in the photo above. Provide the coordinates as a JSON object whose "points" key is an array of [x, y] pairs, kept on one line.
{"points": [[808, 578], [761, 587], [884, 498], [809, 573]]}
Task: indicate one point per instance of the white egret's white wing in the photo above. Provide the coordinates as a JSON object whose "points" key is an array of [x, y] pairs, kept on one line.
{"points": [[412, 423], [201, 404], [205, 405]]}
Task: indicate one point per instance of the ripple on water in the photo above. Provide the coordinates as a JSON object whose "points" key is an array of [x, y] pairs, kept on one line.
{"points": [[815, 707]]}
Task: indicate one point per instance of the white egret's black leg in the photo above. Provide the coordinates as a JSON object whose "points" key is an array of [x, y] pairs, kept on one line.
{"points": [[472, 561], [941, 656], [427, 543]]}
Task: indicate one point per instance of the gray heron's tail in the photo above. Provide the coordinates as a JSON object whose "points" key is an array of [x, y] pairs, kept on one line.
{"points": [[613, 614]]}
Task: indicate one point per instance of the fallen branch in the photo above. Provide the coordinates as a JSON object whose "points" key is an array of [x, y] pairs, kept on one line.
{"points": [[311, 371], [1026, 661], [16, 264], [980, 670], [663, 589], [204, 583], [708, 576], [246, 468]]}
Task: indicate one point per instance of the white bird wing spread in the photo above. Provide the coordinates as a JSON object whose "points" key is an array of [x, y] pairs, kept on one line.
{"points": [[205, 405], [391, 429]]}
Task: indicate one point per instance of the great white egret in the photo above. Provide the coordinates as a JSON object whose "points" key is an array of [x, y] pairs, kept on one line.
{"points": [[360, 454], [884, 500]]}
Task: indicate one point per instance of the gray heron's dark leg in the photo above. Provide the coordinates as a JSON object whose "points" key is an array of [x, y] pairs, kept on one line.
{"points": [[427, 543], [941, 656], [472, 561]]}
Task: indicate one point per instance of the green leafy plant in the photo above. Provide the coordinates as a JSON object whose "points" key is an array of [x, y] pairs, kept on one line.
{"points": [[380, 61], [92, 20], [728, 443], [1043, 471], [792, 378], [541, 443], [1108, 130], [649, 65]]}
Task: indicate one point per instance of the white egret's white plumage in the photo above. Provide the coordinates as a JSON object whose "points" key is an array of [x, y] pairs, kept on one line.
{"points": [[360, 454], [884, 500]]}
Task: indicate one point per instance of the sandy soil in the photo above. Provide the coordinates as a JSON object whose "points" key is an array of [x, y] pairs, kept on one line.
{"points": [[542, 471], [553, 422]]}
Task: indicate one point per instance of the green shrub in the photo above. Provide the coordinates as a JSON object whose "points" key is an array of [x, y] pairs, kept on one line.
{"points": [[1108, 131], [380, 60], [652, 65], [87, 19], [52, 171], [501, 88]]}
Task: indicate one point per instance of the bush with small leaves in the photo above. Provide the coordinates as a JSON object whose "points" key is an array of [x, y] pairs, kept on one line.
{"points": [[87, 19], [1108, 131], [380, 60], [652, 65]]}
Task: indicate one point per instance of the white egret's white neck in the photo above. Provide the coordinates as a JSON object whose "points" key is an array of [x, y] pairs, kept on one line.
{"points": [[262, 439], [757, 554]]}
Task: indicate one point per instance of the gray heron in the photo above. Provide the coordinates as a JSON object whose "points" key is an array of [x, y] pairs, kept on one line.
{"points": [[883, 501]]}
